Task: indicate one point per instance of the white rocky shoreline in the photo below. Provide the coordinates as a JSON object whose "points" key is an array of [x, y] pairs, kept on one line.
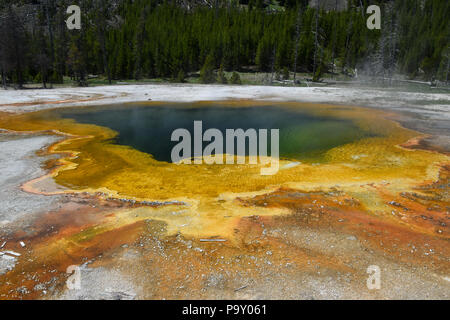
{"points": [[38, 99]]}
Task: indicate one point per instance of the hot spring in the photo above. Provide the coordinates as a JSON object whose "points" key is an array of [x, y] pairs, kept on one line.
{"points": [[303, 135]]}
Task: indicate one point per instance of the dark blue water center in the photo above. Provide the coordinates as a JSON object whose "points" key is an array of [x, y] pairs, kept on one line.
{"points": [[149, 128]]}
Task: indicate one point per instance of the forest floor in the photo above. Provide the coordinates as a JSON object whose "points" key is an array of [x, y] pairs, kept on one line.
{"points": [[320, 250]]}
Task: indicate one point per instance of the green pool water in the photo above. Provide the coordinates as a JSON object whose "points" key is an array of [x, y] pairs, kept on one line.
{"points": [[147, 128]]}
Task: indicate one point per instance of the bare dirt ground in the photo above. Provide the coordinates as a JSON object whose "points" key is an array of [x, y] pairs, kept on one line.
{"points": [[321, 250]]}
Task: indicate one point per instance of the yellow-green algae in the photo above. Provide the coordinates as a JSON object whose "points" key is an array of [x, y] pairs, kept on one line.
{"points": [[210, 190]]}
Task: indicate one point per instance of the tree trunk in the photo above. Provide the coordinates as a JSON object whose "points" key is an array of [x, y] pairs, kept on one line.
{"points": [[3, 79], [52, 45], [105, 59], [273, 64], [316, 39], [18, 67], [448, 67], [333, 57], [297, 39]]}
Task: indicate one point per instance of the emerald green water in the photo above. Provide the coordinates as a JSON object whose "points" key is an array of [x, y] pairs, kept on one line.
{"points": [[149, 128]]}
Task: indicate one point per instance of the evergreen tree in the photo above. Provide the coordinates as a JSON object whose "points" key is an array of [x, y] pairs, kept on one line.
{"points": [[181, 77], [128, 39], [221, 78], [207, 74]]}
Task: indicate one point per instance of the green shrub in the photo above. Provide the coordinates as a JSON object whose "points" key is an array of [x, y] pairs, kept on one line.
{"points": [[235, 78], [181, 77]]}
